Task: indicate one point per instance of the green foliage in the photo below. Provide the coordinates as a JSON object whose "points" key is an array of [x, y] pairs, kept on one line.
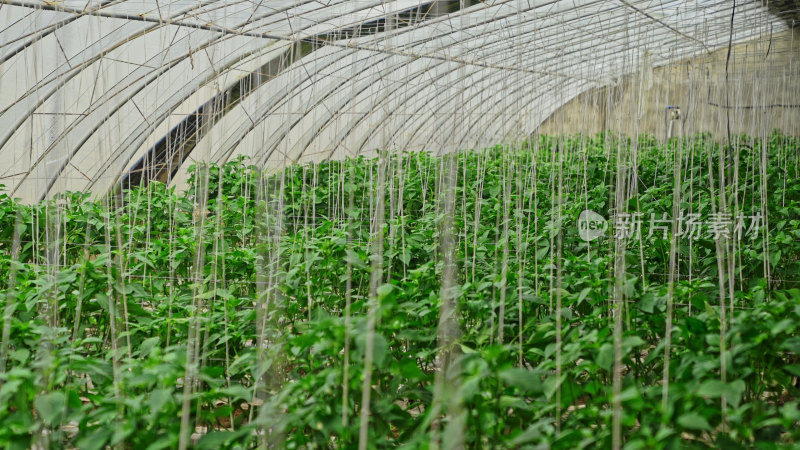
{"points": [[259, 274]]}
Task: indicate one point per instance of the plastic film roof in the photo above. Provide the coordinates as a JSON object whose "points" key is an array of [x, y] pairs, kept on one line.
{"points": [[88, 89]]}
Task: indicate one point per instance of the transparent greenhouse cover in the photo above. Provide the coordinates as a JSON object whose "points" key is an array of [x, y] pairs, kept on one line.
{"points": [[88, 88]]}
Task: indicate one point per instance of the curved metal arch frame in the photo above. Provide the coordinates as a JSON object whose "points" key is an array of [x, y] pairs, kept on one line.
{"points": [[275, 102], [555, 35], [555, 104], [570, 96], [131, 145], [428, 120], [66, 75], [394, 68], [494, 20], [151, 77], [366, 85], [549, 109], [417, 97], [364, 7], [356, 100], [500, 41], [38, 35], [412, 96], [76, 71], [39, 105], [129, 40], [397, 67]]}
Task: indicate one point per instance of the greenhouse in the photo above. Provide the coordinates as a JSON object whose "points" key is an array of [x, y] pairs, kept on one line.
{"points": [[399, 224]]}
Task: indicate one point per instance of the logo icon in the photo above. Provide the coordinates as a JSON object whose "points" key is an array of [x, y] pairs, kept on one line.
{"points": [[591, 225]]}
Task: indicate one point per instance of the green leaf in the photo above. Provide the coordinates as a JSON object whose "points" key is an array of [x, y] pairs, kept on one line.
{"points": [[551, 384], [21, 355], [50, 407], [775, 258], [147, 345], [9, 388], [715, 389], [410, 370], [647, 302], [384, 290], [793, 369], [405, 256], [466, 349], [792, 344], [216, 439], [712, 388], [635, 444], [694, 421], [352, 257], [583, 294], [237, 391], [605, 356], [164, 442], [630, 342], [242, 363], [102, 299], [790, 411], [781, 326], [380, 349], [157, 399], [521, 378], [96, 440]]}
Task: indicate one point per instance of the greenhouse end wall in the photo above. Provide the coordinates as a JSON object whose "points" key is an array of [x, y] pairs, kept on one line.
{"points": [[763, 87]]}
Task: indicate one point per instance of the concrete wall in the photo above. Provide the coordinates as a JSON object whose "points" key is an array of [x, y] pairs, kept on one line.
{"points": [[763, 88]]}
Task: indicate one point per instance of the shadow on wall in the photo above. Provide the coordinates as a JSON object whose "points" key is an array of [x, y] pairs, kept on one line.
{"points": [[762, 93], [788, 10]]}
